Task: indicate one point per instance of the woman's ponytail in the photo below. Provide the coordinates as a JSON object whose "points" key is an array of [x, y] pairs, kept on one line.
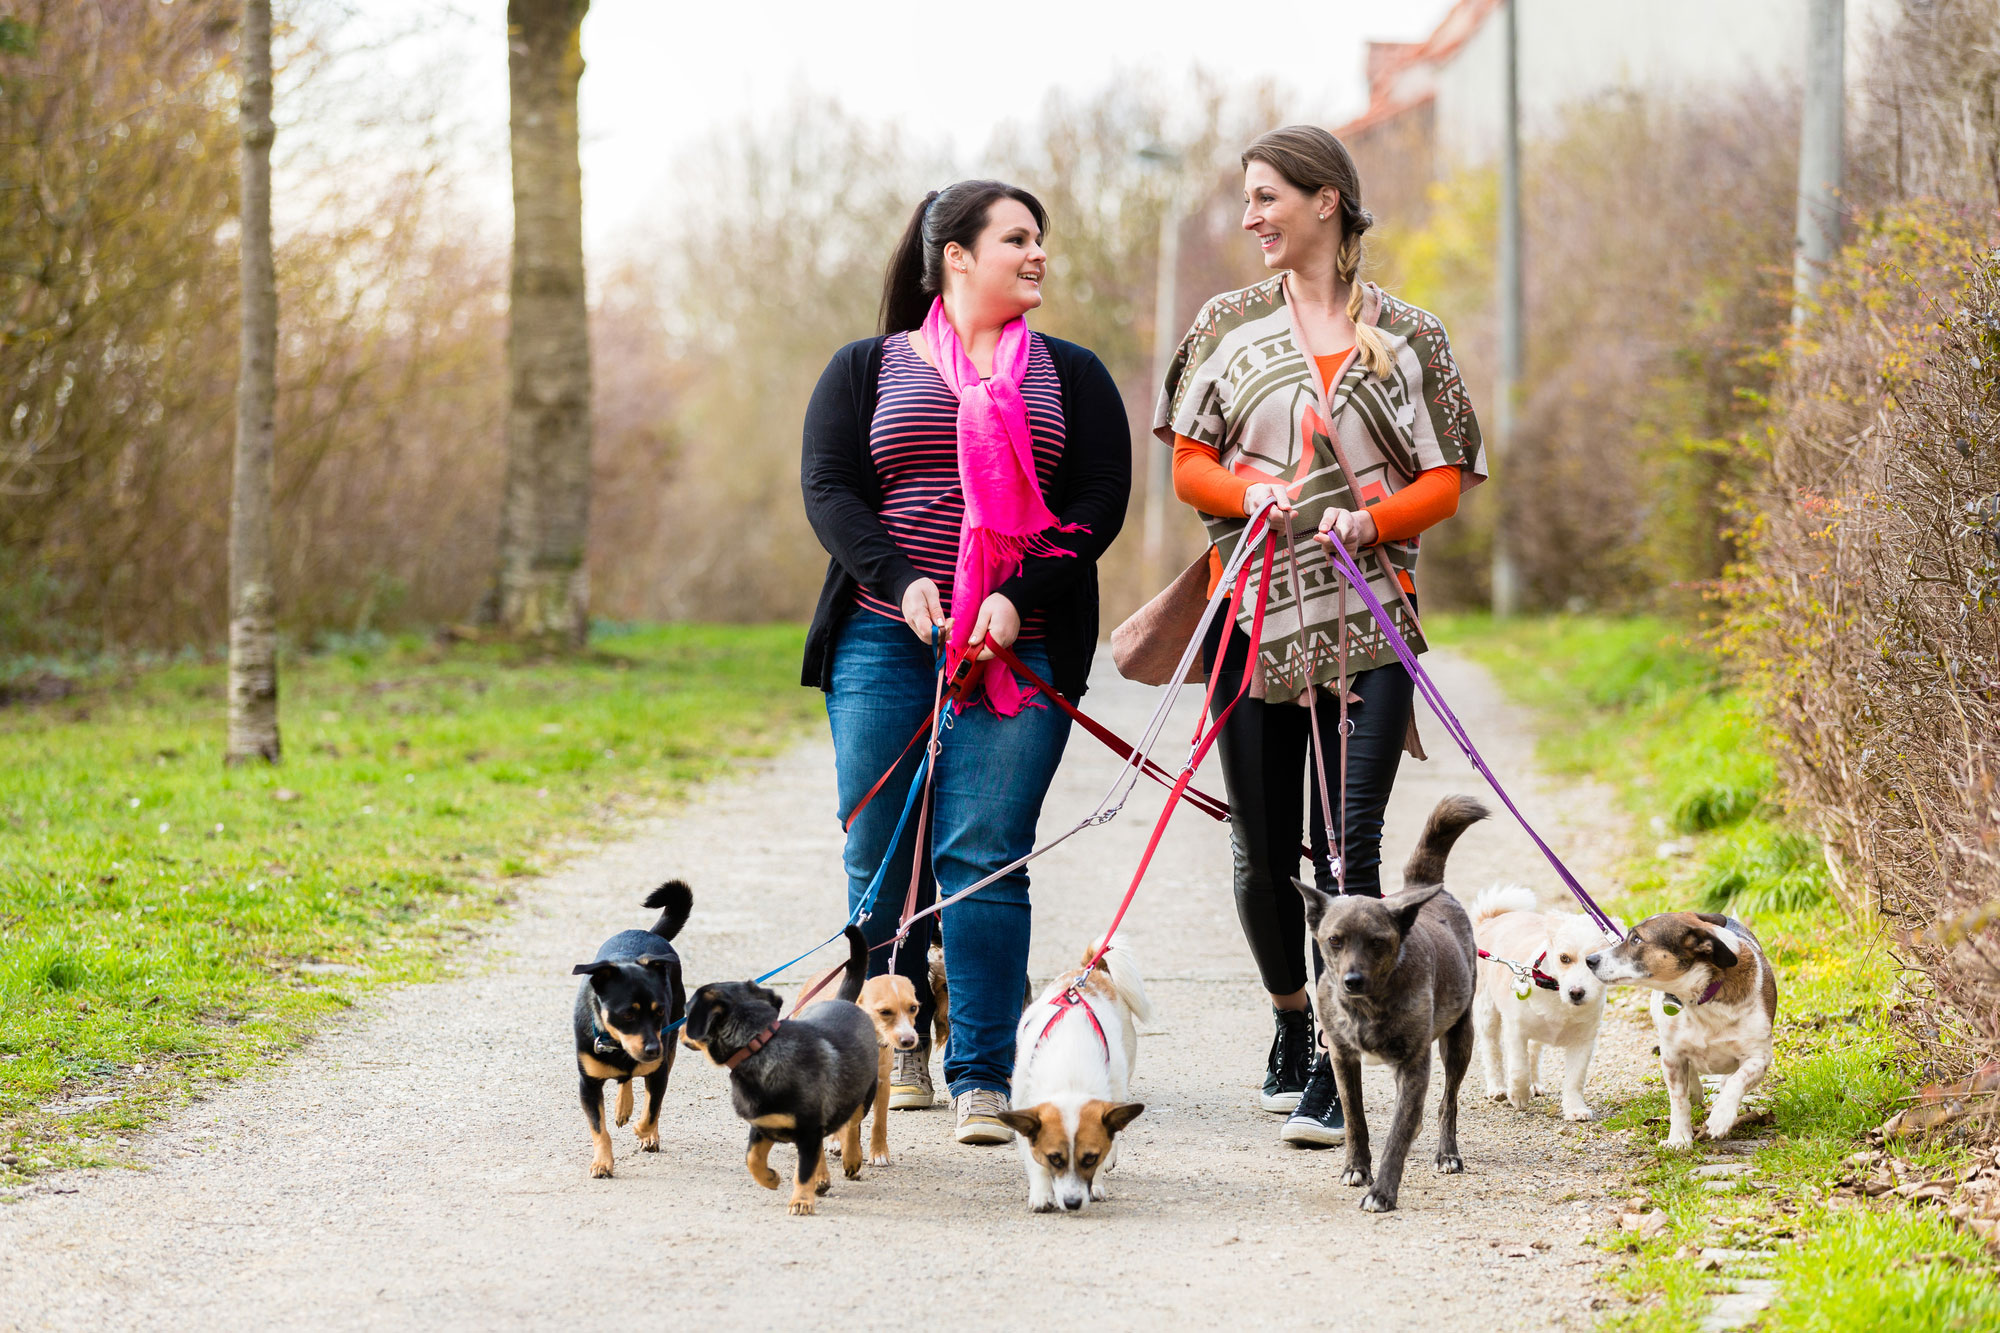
{"points": [[904, 300], [954, 215]]}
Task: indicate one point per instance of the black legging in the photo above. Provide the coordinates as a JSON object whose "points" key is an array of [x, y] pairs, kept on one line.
{"points": [[1266, 769]]}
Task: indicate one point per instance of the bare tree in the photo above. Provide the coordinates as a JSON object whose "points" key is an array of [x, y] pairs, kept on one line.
{"points": [[253, 664], [543, 583]]}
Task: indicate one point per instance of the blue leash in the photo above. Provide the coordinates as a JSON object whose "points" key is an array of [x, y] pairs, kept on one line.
{"points": [[866, 907]]}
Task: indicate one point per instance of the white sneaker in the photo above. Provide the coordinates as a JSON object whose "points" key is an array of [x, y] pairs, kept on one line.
{"points": [[910, 1081]]}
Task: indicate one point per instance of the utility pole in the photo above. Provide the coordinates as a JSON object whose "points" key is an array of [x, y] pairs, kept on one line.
{"points": [[1159, 470], [1506, 582], [1821, 150]]}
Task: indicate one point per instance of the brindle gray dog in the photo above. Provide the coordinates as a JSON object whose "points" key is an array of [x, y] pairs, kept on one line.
{"points": [[1399, 976]]}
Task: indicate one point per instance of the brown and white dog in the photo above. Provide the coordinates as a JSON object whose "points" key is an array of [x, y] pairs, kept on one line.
{"points": [[1562, 1011], [890, 1001], [1073, 1058], [1715, 999]]}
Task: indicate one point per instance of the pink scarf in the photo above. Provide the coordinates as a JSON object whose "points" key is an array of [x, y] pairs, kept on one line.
{"points": [[1006, 519]]}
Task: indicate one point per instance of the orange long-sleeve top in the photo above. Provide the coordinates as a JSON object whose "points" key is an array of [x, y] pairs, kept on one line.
{"points": [[1200, 480]]}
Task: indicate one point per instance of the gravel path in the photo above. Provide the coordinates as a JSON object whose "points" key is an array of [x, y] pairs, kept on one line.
{"points": [[424, 1164]]}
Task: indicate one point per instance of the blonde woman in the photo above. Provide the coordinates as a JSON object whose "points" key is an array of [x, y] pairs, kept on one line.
{"points": [[1342, 405]]}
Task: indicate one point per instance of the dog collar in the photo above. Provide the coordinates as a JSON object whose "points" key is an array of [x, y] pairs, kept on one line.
{"points": [[601, 1041], [756, 1044], [1673, 1004], [1526, 975]]}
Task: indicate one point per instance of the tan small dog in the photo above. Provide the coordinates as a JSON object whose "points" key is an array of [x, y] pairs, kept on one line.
{"points": [[891, 1005]]}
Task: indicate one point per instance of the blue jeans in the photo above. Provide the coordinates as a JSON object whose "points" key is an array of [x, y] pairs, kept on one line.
{"points": [[986, 799]]}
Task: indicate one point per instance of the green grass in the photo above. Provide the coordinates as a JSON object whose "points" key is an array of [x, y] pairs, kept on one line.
{"points": [[165, 921], [1632, 704]]}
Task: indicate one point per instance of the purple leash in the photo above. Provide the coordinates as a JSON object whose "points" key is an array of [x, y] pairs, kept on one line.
{"points": [[1435, 698]]}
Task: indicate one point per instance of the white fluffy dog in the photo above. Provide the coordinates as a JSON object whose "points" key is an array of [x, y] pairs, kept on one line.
{"points": [[1508, 925]]}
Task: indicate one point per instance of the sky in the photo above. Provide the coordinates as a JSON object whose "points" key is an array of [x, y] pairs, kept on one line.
{"points": [[660, 75]]}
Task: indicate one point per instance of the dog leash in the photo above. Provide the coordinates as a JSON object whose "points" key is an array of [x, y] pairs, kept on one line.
{"points": [[1344, 561]]}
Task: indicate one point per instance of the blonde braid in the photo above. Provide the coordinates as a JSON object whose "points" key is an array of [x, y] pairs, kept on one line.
{"points": [[1368, 340]]}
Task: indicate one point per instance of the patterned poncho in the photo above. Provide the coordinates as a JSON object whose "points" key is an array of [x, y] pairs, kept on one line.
{"points": [[1240, 384]]}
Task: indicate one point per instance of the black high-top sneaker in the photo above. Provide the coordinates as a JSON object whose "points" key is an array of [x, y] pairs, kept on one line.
{"points": [[1318, 1121], [1290, 1060]]}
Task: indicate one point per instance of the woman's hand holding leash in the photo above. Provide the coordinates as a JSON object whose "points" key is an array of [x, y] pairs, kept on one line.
{"points": [[923, 611], [1279, 518], [1354, 527], [999, 622]]}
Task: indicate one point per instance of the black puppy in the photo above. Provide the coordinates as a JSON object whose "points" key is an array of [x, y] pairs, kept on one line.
{"points": [[796, 1080], [1399, 976], [633, 992]]}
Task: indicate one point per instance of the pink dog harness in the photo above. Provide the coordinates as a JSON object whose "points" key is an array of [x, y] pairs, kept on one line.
{"points": [[1068, 1000]]}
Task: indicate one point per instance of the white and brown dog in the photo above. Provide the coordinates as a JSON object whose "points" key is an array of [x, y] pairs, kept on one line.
{"points": [[1563, 1005], [1074, 1053], [1715, 999]]}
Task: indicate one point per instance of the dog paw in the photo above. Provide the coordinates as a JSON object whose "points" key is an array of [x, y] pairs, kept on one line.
{"points": [[1496, 1094], [1357, 1176], [1450, 1164], [600, 1168], [1578, 1113], [765, 1177], [1097, 1193], [851, 1170], [879, 1159], [1044, 1206], [1374, 1201], [1521, 1103], [1678, 1141], [1535, 1090], [802, 1207]]}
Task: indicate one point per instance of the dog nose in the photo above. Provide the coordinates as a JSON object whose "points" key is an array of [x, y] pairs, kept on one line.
{"points": [[1576, 995], [1072, 1205], [651, 1050], [1353, 981], [1591, 962], [906, 1043]]}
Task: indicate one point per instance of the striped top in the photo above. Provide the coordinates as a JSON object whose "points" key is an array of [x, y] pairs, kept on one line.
{"points": [[914, 443]]}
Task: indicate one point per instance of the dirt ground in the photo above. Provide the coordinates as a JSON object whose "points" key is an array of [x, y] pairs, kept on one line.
{"points": [[424, 1163]]}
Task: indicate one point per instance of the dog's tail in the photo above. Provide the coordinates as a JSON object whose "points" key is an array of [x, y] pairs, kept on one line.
{"points": [[675, 900], [1122, 970], [1453, 816], [1499, 900], [857, 965]]}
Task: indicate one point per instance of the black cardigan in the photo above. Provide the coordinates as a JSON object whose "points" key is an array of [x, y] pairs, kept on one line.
{"points": [[843, 496]]}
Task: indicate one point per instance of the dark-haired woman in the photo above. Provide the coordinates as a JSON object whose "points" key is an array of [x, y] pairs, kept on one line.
{"points": [[1342, 404], [965, 474]]}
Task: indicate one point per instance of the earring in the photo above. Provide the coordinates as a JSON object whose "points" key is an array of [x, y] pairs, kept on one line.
{"points": [[1322, 217]]}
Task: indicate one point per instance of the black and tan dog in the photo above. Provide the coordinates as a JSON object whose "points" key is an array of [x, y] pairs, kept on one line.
{"points": [[632, 993], [797, 1079], [1715, 1000], [1399, 976]]}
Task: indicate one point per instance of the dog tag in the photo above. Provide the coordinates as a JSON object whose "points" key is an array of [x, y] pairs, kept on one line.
{"points": [[1523, 988], [1670, 1007]]}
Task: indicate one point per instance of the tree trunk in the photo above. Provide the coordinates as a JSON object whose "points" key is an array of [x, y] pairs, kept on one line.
{"points": [[543, 586], [253, 663]]}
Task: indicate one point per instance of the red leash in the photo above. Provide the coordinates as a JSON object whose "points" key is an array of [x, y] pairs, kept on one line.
{"points": [[1202, 744]]}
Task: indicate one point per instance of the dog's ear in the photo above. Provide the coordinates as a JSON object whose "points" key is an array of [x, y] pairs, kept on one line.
{"points": [[1713, 918], [770, 997], [1403, 907], [658, 962], [1316, 903], [592, 970], [1025, 1123], [1710, 945], [1122, 1115]]}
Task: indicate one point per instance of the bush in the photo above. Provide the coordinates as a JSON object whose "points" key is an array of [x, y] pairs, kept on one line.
{"points": [[1869, 613]]}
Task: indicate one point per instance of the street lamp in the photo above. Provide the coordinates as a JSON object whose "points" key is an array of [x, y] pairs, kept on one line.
{"points": [[1159, 471]]}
